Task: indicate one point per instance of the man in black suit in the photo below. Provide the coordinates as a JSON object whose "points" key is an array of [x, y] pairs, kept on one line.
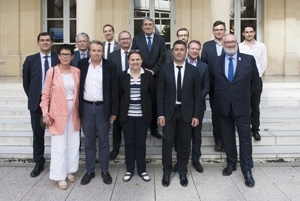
{"points": [[211, 50], [182, 34], [235, 77], [119, 57], [82, 43], [34, 71], [98, 107], [152, 47], [178, 105], [109, 44]]}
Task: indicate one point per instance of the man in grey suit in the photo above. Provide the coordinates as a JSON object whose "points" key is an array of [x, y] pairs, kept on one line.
{"points": [[119, 57], [235, 77], [211, 50], [110, 44], [178, 105], [82, 42], [152, 47], [33, 72]]}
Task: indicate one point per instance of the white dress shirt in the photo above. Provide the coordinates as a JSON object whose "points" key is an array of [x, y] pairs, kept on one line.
{"points": [[112, 46], [43, 67]]}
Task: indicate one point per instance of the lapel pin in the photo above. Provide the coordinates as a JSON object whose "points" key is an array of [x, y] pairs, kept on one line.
{"points": [[239, 58]]}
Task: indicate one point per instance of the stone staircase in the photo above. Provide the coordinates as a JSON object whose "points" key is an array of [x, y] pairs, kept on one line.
{"points": [[280, 126]]}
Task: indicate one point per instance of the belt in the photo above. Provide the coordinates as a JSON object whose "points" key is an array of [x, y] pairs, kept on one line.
{"points": [[94, 103], [177, 105]]}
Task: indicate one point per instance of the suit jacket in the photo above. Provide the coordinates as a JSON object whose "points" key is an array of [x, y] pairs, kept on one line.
{"points": [[190, 93], [156, 58], [205, 82], [116, 46], [169, 56], [147, 90], [55, 95], [32, 78], [116, 58], [235, 95], [209, 52], [110, 86], [77, 57]]}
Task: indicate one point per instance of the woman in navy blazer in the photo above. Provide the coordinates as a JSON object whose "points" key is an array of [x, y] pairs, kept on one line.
{"points": [[136, 87]]}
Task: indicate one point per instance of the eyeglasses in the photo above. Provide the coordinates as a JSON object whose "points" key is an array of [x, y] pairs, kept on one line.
{"points": [[123, 39], [65, 54], [229, 42], [218, 30], [183, 35]]}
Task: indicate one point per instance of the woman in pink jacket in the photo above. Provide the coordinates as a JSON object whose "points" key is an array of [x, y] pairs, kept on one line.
{"points": [[60, 113]]}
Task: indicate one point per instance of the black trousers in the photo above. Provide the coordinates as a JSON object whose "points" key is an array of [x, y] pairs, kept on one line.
{"points": [[255, 102], [153, 124], [215, 118], [38, 137], [117, 135], [184, 131], [197, 139]]}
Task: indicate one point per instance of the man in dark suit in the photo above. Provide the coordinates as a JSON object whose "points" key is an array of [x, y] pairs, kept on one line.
{"points": [[82, 43], [178, 105], [211, 50], [34, 71], [110, 44], [182, 34], [235, 77], [119, 57], [152, 47], [98, 107]]}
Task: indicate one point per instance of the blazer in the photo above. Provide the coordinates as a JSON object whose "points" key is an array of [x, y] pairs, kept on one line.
{"points": [[32, 78], [147, 90], [156, 58], [55, 95], [235, 95], [190, 93], [110, 86], [169, 56], [77, 57], [209, 52], [204, 79], [116, 58]]}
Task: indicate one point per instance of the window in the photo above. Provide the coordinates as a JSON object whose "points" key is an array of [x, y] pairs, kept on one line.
{"points": [[243, 12], [59, 19], [159, 11]]}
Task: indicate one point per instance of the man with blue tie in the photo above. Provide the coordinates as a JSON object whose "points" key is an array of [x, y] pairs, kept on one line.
{"points": [[33, 72], [82, 43], [235, 78], [119, 57], [152, 47]]}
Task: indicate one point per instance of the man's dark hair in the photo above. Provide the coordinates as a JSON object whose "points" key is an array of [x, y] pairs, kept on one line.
{"points": [[249, 25], [182, 29], [179, 42], [44, 34], [217, 23], [194, 41], [66, 47], [109, 25]]}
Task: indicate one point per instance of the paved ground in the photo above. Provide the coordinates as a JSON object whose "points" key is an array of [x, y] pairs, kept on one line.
{"points": [[273, 182]]}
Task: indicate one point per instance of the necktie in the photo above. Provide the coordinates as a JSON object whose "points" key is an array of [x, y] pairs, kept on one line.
{"points": [[230, 70], [108, 50], [149, 44], [83, 55], [179, 84], [46, 64], [126, 61]]}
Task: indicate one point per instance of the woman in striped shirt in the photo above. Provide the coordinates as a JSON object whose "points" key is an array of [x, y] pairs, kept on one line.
{"points": [[136, 87]]}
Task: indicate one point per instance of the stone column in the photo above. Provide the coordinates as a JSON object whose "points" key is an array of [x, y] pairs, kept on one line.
{"points": [[220, 10], [86, 17], [291, 58]]}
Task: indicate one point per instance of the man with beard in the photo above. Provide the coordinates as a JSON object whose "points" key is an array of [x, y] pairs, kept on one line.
{"points": [[235, 78]]}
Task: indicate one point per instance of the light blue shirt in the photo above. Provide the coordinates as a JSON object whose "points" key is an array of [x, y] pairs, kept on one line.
{"points": [[234, 60], [219, 48], [152, 36]]}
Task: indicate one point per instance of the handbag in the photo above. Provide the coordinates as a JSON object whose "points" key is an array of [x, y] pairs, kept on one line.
{"points": [[43, 125]]}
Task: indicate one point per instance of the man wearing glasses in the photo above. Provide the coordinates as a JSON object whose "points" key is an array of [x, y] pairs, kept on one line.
{"points": [[211, 50], [119, 57], [235, 77]]}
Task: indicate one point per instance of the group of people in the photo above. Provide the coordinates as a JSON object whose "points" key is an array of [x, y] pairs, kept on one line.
{"points": [[135, 85]]}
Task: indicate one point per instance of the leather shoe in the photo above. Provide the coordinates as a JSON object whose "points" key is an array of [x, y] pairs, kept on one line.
{"points": [[197, 166], [256, 136], [183, 180], [165, 180], [87, 178], [228, 170], [37, 170], [175, 167], [249, 181], [113, 154], [218, 146], [106, 177], [156, 134]]}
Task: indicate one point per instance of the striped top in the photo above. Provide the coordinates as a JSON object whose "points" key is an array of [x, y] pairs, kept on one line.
{"points": [[135, 108]]}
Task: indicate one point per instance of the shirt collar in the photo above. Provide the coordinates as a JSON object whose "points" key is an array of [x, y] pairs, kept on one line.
{"points": [[234, 56], [42, 55], [152, 36], [90, 61], [191, 62], [142, 70], [183, 65]]}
